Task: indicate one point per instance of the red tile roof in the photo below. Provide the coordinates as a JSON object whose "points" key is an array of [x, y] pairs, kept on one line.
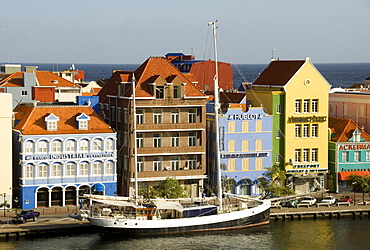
{"points": [[44, 78], [343, 129], [278, 72], [32, 119]]}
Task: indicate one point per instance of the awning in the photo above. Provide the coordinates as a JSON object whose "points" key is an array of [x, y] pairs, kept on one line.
{"points": [[175, 205], [342, 176], [97, 187], [117, 203]]}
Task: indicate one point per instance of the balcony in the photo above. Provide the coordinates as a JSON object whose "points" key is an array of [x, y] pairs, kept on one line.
{"points": [[170, 126], [170, 150]]}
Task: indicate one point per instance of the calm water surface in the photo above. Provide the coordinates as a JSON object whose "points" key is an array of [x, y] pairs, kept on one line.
{"points": [[342, 233]]}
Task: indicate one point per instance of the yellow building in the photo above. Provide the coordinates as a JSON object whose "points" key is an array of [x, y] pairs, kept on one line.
{"points": [[296, 94]]}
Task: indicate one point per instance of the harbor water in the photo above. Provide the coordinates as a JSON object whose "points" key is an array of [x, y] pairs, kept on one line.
{"points": [[344, 233]]}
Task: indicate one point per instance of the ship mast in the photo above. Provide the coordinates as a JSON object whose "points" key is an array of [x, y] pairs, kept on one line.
{"points": [[134, 132], [216, 110]]}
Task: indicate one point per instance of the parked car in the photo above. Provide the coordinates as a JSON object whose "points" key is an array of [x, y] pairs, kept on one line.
{"points": [[329, 199], [25, 215], [290, 203], [346, 199], [308, 200]]}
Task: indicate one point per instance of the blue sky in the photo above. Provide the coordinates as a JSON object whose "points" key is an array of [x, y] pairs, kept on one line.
{"points": [[130, 31]]}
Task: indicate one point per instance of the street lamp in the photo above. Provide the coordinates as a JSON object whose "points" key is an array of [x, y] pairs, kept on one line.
{"points": [[354, 193]]}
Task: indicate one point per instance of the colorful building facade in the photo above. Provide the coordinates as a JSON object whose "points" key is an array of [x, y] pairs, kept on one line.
{"points": [[61, 152], [349, 153], [245, 147], [296, 94]]}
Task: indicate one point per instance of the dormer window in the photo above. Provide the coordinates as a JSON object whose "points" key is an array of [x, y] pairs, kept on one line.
{"points": [[159, 92], [51, 122], [356, 136], [83, 122]]}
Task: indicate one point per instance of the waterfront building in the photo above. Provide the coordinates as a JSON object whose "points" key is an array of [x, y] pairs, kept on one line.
{"points": [[203, 71], [349, 153], [170, 132], [6, 120], [61, 152], [351, 103], [245, 146], [43, 86], [296, 94]]}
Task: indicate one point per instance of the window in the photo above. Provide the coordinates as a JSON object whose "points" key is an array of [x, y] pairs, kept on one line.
{"points": [[245, 164], [28, 147], [43, 170], [29, 171], [297, 155], [331, 108], [157, 140], [70, 169], [83, 125], [176, 91], [84, 145], [140, 116], [157, 164], [259, 144], [192, 162], [140, 140], [159, 92], [192, 139], [315, 106], [258, 163], [125, 115], [70, 146], [56, 170], [278, 108], [297, 131], [109, 168], [306, 130], [192, 115], [258, 126], [157, 116], [314, 155], [245, 144], [357, 156], [175, 116], [306, 152], [84, 168], [83, 121], [113, 113], [42, 147], [231, 126], [97, 167], [23, 92], [231, 146], [109, 145], [277, 158], [175, 162], [344, 156], [298, 106], [244, 126], [306, 106], [119, 114], [277, 134], [52, 125], [56, 146], [97, 145], [231, 164], [314, 130], [175, 140], [367, 155], [140, 164]]}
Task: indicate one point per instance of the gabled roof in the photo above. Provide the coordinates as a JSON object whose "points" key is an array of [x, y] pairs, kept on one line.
{"points": [[44, 78], [342, 129], [278, 72], [32, 119], [151, 70]]}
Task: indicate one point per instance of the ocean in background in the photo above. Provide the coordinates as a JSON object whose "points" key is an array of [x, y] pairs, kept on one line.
{"points": [[337, 74]]}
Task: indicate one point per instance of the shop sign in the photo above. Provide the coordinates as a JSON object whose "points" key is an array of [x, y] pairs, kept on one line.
{"points": [[293, 119], [246, 155], [245, 116], [354, 146], [69, 156], [306, 171]]}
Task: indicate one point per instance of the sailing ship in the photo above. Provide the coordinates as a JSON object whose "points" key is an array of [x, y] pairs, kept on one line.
{"points": [[119, 215]]}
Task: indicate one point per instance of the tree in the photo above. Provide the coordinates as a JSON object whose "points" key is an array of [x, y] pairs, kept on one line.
{"points": [[275, 183], [168, 188], [360, 183]]}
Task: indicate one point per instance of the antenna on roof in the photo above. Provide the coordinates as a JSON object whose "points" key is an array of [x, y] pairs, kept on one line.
{"points": [[272, 54]]}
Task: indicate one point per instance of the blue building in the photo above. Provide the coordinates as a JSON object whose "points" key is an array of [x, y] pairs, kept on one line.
{"points": [[245, 147], [61, 152]]}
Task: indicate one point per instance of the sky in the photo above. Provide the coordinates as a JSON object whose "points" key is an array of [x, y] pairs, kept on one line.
{"points": [[130, 31]]}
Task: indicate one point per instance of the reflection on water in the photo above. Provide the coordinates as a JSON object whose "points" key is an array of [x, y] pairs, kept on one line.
{"points": [[304, 234]]}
